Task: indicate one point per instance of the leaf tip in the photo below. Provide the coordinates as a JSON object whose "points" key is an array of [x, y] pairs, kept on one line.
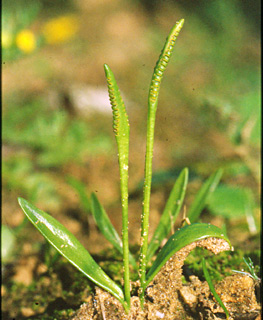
{"points": [[21, 201]]}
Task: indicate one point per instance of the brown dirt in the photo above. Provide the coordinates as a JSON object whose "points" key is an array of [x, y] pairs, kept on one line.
{"points": [[167, 297]]}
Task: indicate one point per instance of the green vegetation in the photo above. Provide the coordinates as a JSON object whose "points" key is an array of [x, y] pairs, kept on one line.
{"points": [[250, 266], [211, 286], [42, 141], [210, 119], [69, 247], [220, 266]]}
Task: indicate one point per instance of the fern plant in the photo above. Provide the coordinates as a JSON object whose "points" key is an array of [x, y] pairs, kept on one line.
{"points": [[69, 247]]}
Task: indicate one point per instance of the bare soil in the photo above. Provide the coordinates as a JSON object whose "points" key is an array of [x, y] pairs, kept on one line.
{"points": [[167, 297]]}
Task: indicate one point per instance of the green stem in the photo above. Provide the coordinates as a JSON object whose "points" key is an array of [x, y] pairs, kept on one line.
{"points": [[152, 106], [125, 237]]}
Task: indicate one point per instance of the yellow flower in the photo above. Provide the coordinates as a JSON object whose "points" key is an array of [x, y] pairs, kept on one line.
{"points": [[26, 41], [60, 29]]}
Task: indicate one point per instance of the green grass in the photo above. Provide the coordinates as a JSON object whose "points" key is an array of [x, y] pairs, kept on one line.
{"points": [[220, 266], [53, 136], [42, 141]]}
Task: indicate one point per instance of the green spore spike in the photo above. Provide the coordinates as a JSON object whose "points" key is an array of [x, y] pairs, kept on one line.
{"points": [[163, 61], [122, 130], [152, 106], [120, 117]]}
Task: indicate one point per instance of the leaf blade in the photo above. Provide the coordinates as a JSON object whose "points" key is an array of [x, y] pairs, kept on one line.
{"points": [[106, 228], [170, 212], [180, 239], [80, 188], [103, 222], [212, 289], [69, 247], [203, 194]]}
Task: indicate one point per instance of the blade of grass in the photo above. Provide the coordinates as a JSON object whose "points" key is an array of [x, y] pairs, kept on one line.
{"points": [[170, 213], [181, 238], [203, 194], [212, 288], [81, 190], [152, 107], [106, 228], [251, 269], [249, 205], [121, 129], [70, 248]]}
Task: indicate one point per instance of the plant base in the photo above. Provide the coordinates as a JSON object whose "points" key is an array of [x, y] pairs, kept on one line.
{"points": [[168, 298]]}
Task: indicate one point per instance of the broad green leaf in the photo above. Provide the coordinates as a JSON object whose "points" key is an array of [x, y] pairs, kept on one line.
{"points": [[180, 239], [81, 190], [234, 204], [211, 286], [237, 202], [69, 247], [106, 228], [203, 195], [170, 213]]}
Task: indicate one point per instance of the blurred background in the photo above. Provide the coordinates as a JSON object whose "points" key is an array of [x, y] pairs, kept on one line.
{"points": [[57, 134]]}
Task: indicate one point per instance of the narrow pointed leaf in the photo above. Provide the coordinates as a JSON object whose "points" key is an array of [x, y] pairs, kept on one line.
{"points": [[69, 247], [180, 239], [203, 194], [212, 288], [105, 226], [81, 190], [103, 222], [170, 213]]}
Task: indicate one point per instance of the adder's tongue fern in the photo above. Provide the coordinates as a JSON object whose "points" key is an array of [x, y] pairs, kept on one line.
{"points": [[68, 246], [152, 106]]}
